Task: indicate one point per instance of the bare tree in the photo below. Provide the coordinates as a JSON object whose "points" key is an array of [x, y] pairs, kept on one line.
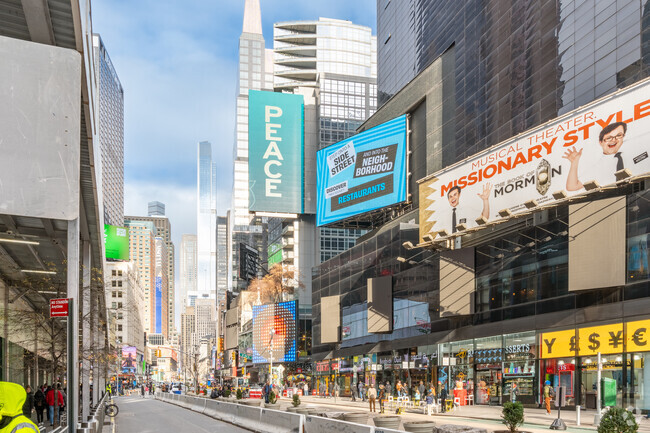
{"points": [[274, 286]]}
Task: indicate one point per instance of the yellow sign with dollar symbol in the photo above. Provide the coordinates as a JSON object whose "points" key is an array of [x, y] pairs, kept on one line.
{"points": [[638, 336], [604, 339]]}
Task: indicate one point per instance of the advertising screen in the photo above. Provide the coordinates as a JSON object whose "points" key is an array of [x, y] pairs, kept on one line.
{"points": [[282, 319], [583, 148], [275, 151], [116, 242], [158, 305], [363, 173], [129, 360]]}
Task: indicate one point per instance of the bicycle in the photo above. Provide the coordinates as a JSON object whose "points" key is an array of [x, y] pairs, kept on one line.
{"points": [[111, 410]]}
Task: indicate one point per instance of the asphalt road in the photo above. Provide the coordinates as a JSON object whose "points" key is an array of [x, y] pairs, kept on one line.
{"points": [[146, 415]]}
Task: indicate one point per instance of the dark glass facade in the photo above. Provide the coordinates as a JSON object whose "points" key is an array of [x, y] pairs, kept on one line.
{"points": [[517, 63]]}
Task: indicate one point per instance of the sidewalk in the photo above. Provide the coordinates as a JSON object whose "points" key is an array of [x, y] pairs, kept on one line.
{"points": [[488, 417]]}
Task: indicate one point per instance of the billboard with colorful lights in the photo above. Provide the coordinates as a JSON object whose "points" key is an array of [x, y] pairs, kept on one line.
{"points": [[129, 360], [275, 332]]}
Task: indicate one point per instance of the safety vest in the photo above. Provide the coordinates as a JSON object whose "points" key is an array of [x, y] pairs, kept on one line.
{"points": [[20, 424]]}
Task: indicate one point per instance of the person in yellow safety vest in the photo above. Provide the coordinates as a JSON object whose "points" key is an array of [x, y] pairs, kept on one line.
{"points": [[12, 420], [108, 389]]}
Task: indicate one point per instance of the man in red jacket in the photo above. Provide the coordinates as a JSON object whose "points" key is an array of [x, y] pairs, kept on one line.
{"points": [[49, 397]]}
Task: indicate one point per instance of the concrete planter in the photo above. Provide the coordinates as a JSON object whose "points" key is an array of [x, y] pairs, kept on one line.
{"points": [[292, 409], [356, 417], [255, 403], [387, 421], [275, 406], [302, 410], [420, 427]]}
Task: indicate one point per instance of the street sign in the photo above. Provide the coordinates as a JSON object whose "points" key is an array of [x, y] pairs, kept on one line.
{"points": [[59, 307]]}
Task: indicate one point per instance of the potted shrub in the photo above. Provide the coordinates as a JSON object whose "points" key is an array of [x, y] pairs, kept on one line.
{"points": [[239, 394], [273, 401], [296, 400], [512, 415], [618, 420]]}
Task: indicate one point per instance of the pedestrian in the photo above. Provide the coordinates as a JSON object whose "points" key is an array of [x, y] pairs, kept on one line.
{"points": [[39, 404], [337, 390], [548, 393], [322, 390], [65, 399], [398, 388], [353, 392], [372, 397], [12, 402], [389, 389], [361, 395], [422, 390], [142, 390], [381, 397], [28, 407], [267, 391], [54, 397], [330, 389], [443, 398], [305, 390], [514, 392]]}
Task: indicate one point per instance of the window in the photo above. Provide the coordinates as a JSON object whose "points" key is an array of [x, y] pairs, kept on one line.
{"points": [[119, 304], [119, 327], [119, 294], [113, 272], [114, 294], [114, 283]]}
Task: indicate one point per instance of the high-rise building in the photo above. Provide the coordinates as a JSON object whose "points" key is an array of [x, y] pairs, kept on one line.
{"points": [[125, 299], [142, 248], [188, 268], [161, 297], [339, 58], [222, 256], [164, 231], [206, 223], [255, 73], [479, 297], [188, 328], [110, 133], [156, 208]]}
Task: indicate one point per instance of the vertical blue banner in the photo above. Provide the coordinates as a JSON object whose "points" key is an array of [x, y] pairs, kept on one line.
{"points": [[158, 305], [275, 151]]}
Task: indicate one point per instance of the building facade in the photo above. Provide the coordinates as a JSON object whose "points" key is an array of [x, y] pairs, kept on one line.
{"points": [[188, 268], [142, 249], [110, 105], [480, 310], [164, 231], [125, 301], [206, 223], [161, 294]]}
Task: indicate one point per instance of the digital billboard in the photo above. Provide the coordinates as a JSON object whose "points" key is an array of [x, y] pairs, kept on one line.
{"points": [[275, 151], [158, 305], [363, 173], [129, 360], [116, 242], [586, 147], [282, 319]]}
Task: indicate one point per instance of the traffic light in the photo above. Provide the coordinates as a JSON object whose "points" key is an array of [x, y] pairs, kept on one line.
{"points": [[158, 353]]}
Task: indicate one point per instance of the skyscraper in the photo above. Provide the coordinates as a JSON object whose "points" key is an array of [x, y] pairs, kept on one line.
{"points": [[255, 73], [142, 246], [188, 268], [156, 208], [206, 223], [164, 230], [222, 256], [110, 128], [161, 297]]}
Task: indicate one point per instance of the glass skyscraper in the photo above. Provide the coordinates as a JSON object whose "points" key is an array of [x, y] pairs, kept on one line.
{"points": [[206, 223]]}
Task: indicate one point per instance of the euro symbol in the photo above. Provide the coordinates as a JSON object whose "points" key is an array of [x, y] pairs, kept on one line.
{"points": [[638, 337], [593, 339]]}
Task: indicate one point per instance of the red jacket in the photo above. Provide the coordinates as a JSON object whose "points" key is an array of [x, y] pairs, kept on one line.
{"points": [[50, 398]]}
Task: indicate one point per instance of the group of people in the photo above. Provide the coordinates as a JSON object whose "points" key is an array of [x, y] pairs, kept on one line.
{"points": [[45, 399]]}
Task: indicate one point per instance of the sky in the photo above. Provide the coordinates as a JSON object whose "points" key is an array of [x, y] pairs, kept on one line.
{"points": [[177, 62]]}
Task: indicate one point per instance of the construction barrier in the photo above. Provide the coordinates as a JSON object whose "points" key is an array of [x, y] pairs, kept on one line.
{"points": [[317, 424]]}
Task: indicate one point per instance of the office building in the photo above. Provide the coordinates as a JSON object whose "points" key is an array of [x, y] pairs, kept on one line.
{"points": [[110, 133], [206, 223], [222, 257], [482, 301], [164, 231], [142, 250], [156, 208], [188, 268], [255, 73], [161, 296], [125, 301]]}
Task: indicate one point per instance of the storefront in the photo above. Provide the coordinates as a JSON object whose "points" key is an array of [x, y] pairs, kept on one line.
{"points": [[570, 359]]}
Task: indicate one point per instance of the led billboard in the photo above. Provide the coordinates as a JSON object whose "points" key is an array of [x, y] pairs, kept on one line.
{"points": [[363, 173], [116, 242], [275, 151], [158, 304], [282, 320], [591, 146], [129, 360]]}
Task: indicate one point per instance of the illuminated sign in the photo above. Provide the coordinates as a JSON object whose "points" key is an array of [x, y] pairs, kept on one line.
{"points": [[116, 242], [589, 144], [363, 173], [129, 360], [275, 151], [589, 341], [274, 332]]}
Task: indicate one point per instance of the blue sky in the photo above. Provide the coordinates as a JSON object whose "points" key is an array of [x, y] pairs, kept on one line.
{"points": [[177, 61]]}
